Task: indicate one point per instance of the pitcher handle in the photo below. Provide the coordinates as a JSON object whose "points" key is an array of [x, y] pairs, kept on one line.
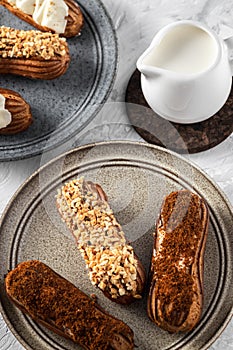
{"points": [[229, 43], [226, 33]]}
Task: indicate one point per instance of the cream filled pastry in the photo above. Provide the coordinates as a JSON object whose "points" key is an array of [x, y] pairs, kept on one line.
{"points": [[15, 113], [5, 115], [48, 13], [175, 298], [63, 17]]}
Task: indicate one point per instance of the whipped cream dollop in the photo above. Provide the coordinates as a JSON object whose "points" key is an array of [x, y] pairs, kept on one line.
{"points": [[5, 115], [48, 13]]}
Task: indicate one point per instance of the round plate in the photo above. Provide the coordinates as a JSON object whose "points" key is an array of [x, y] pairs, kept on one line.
{"points": [[136, 178], [64, 106], [182, 138]]}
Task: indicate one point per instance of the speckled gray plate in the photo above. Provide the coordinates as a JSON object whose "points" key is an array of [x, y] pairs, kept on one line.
{"points": [[136, 177], [63, 106]]}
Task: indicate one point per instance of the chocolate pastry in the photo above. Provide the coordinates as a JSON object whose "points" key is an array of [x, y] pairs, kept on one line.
{"points": [[113, 266], [176, 283], [33, 54], [57, 304], [20, 112], [74, 24]]}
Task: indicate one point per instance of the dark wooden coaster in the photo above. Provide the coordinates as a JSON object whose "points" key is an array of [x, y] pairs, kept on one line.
{"points": [[182, 138]]}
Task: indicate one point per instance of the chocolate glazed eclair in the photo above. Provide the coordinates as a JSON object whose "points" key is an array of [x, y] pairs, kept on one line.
{"points": [[176, 278], [57, 304]]}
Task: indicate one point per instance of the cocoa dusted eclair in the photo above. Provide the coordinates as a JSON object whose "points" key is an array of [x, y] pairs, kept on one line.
{"points": [[60, 306], [176, 287], [33, 54], [15, 113], [113, 266], [63, 17]]}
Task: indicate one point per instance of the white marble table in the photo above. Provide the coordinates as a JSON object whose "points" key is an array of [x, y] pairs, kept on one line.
{"points": [[136, 22]]}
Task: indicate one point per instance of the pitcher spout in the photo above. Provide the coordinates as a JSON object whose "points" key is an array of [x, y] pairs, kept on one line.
{"points": [[147, 70], [145, 67]]}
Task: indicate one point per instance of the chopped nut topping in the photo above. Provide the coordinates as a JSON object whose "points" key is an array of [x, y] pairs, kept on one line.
{"points": [[16, 43], [110, 260]]}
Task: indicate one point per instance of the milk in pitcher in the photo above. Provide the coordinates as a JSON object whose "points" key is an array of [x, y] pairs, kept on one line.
{"points": [[186, 49]]}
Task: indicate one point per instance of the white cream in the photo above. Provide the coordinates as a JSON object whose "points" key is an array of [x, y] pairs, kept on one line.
{"points": [[181, 264], [54, 14], [37, 14], [48, 13], [5, 115], [160, 239], [26, 6]]}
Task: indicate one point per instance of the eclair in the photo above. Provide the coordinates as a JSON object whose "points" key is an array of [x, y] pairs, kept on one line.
{"points": [[112, 263], [63, 17], [175, 297], [33, 54], [57, 304], [15, 113]]}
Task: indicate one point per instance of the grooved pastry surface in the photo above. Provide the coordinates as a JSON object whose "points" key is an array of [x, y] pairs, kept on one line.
{"points": [[49, 298], [176, 294]]}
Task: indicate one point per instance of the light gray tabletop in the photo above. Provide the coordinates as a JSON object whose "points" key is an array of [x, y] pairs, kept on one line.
{"points": [[136, 22]]}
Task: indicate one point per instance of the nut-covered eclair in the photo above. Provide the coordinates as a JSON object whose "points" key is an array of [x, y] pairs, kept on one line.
{"points": [[176, 290], [33, 54], [15, 113], [113, 266], [58, 16], [57, 304]]}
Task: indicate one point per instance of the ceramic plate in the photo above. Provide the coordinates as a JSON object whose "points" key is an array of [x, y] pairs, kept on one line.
{"points": [[136, 177], [63, 106]]}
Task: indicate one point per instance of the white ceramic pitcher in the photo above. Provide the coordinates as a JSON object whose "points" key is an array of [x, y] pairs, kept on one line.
{"points": [[186, 75]]}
